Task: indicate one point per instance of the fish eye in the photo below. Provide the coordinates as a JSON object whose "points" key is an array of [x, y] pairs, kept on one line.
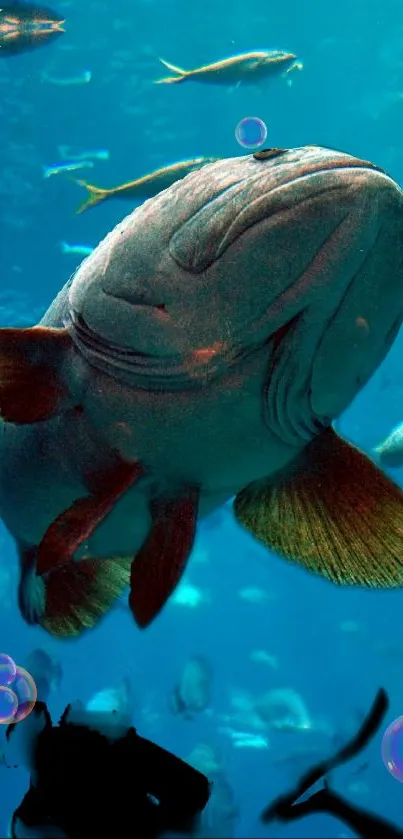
{"points": [[267, 154]]}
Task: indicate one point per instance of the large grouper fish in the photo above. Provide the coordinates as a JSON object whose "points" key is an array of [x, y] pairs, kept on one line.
{"points": [[201, 352]]}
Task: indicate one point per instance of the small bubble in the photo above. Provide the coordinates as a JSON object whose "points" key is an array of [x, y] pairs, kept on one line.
{"points": [[392, 749], [25, 690], [7, 670], [8, 705], [251, 132]]}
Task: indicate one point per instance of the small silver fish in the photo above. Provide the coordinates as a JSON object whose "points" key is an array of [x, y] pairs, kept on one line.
{"points": [[80, 250], [58, 168]]}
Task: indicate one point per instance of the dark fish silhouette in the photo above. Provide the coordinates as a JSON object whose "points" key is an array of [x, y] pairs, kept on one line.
{"points": [[91, 775], [192, 692], [367, 825], [24, 27]]}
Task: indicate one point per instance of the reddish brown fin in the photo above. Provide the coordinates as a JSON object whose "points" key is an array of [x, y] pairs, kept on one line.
{"points": [[30, 387], [79, 594], [338, 516], [159, 565], [75, 525]]}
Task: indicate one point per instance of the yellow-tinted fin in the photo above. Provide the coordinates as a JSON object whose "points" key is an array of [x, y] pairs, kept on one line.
{"points": [[80, 593], [96, 195], [180, 74], [338, 516]]}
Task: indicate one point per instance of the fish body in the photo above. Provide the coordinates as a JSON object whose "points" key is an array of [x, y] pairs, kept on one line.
{"points": [[390, 450], [77, 250], [117, 701], [201, 353], [93, 154], [25, 26], [67, 81], [247, 68], [59, 168], [147, 186], [46, 672], [192, 692]]}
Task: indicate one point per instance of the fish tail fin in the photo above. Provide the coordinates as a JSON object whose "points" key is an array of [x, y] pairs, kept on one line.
{"points": [[180, 74], [96, 195], [79, 594]]}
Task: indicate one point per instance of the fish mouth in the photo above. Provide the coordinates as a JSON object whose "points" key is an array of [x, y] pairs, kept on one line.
{"points": [[144, 371], [86, 339]]}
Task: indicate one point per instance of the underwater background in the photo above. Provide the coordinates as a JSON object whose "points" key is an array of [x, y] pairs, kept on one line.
{"points": [[261, 624]]}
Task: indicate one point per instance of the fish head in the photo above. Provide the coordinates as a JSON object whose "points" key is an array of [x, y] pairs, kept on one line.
{"points": [[284, 60], [298, 252]]}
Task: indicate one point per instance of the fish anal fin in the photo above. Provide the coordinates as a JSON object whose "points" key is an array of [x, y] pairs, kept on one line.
{"points": [[79, 594], [31, 389], [76, 524], [338, 516], [160, 563]]}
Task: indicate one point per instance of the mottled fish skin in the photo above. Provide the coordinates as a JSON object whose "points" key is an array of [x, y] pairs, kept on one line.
{"points": [[215, 331]]}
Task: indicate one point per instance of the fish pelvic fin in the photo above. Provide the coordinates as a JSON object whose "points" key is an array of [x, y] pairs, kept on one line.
{"points": [[79, 594], [95, 195], [180, 76], [76, 524], [31, 389], [338, 515], [160, 563]]}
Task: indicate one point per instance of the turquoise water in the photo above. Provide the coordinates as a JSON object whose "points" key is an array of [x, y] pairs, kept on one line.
{"points": [[334, 647]]}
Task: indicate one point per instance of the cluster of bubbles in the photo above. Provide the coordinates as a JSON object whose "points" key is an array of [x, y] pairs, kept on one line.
{"points": [[251, 132], [17, 691], [392, 749]]}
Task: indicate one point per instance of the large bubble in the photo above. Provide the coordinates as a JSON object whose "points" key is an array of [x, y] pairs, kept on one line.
{"points": [[392, 749], [8, 670], [25, 689], [18, 692], [251, 132], [8, 705]]}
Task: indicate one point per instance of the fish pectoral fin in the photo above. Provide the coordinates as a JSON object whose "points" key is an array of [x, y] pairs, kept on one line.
{"points": [[160, 563], [31, 389], [76, 524], [338, 516], [79, 594]]}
